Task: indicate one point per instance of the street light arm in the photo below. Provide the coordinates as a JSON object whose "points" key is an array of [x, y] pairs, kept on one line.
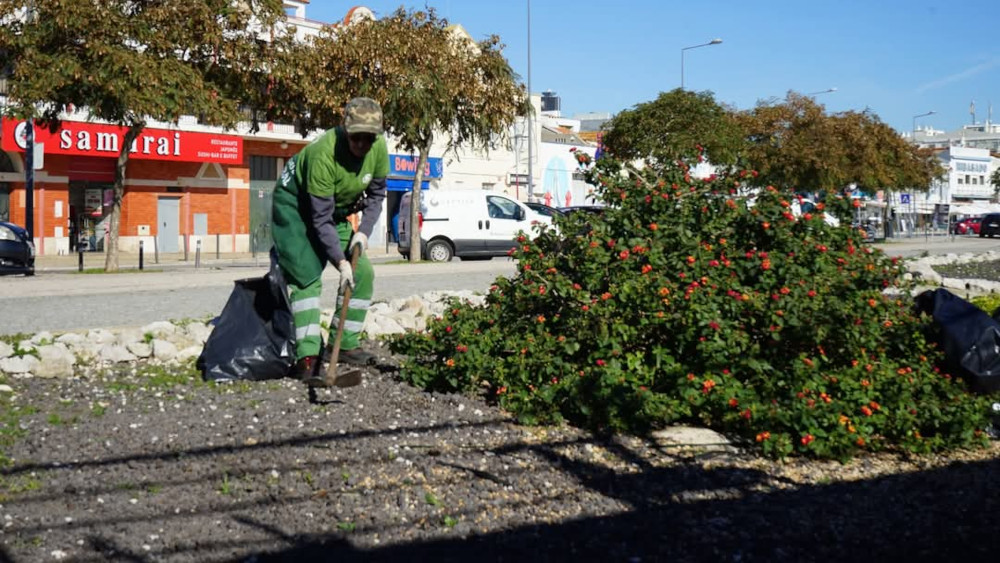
{"points": [[715, 41]]}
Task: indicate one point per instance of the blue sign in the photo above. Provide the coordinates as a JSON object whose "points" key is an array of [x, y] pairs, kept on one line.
{"points": [[904, 198], [403, 166]]}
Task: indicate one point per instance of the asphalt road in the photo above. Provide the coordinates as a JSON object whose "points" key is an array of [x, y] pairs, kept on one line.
{"points": [[65, 301]]}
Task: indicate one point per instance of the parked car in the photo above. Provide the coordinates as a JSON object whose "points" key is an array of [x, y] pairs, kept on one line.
{"points": [[470, 224], [542, 209], [990, 225], [967, 226], [17, 252], [594, 209]]}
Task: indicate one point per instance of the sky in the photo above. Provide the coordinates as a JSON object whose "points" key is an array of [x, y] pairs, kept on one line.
{"points": [[898, 58]]}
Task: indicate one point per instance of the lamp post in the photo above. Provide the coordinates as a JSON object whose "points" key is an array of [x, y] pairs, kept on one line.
{"points": [[712, 42], [827, 91], [914, 130]]}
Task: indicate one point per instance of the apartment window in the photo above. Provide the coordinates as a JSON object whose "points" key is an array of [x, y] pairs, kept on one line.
{"points": [[982, 180], [488, 186], [959, 180], [967, 179], [974, 182]]}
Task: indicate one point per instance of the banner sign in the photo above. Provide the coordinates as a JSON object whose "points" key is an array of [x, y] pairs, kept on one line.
{"points": [[402, 166], [95, 139]]}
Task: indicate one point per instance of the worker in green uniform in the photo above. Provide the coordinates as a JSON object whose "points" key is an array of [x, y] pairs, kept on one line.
{"points": [[340, 173]]}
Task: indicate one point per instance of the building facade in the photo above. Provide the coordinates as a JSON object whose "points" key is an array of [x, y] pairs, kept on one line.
{"points": [[188, 184]]}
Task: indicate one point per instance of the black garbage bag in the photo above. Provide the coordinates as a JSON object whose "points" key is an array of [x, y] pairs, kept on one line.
{"points": [[254, 337], [969, 338]]}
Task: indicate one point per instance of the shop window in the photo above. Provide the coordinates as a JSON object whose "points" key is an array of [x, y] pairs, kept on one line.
{"points": [[4, 201]]}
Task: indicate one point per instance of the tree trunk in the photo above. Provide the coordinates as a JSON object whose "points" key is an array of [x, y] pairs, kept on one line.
{"points": [[418, 177], [111, 248]]}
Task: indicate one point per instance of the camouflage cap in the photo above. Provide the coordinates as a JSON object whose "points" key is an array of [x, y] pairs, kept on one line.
{"points": [[363, 115]]}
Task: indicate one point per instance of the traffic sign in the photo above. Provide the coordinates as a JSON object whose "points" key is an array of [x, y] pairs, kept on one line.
{"points": [[904, 198]]}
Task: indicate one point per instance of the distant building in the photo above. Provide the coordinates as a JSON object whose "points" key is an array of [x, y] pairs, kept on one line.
{"points": [[592, 121], [551, 104]]}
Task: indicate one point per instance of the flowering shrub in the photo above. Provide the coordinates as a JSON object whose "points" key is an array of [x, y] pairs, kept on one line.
{"points": [[688, 301]]}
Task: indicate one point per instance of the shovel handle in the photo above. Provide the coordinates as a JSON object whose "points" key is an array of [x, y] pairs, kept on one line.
{"points": [[331, 370]]}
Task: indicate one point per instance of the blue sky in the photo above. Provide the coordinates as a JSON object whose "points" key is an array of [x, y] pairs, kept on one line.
{"points": [[899, 58]]}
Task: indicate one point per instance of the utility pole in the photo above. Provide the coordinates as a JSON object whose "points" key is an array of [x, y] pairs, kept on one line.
{"points": [[531, 128], [29, 179]]}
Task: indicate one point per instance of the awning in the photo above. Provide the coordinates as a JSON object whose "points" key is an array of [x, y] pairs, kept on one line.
{"points": [[404, 185]]}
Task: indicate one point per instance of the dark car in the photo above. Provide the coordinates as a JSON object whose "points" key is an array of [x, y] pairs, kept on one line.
{"points": [[593, 209], [542, 209], [968, 226], [990, 225], [17, 252]]}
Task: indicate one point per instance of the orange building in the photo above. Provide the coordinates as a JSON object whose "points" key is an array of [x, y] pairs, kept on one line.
{"points": [[182, 185]]}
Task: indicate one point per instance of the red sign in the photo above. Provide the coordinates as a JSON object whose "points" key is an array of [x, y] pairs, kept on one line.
{"points": [[93, 139]]}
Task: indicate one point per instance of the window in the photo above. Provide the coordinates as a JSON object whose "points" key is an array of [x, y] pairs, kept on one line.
{"points": [[488, 186], [959, 180], [974, 181], [501, 207]]}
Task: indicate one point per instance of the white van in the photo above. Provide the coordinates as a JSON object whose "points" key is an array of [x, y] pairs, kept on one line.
{"points": [[465, 223]]}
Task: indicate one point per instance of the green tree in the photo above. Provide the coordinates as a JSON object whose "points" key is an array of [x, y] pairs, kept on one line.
{"points": [[995, 181], [672, 127], [429, 77], [796, 145], [126, 62]]}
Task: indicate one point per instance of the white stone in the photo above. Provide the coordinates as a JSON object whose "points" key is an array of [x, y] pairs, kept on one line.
{"points": [[101, 336], [43, 337], [198, 332], [164, 350], [71, 339], [688, 438], [18, 364], [129, 336], [160, 328], [139, 349], [6, 388], [114, 353], [26, 345], [55, 361], [6, 350], [188, 353], [405, 319]]}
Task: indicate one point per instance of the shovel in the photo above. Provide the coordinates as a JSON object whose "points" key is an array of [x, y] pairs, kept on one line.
{"points": [[347, 377]]}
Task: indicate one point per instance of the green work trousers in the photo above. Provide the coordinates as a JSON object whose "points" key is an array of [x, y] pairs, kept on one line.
{"points": [[306, 306]]}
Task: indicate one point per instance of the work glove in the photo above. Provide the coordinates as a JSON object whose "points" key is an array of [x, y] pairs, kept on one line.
{"points": [[359, 239], [346, 275]]}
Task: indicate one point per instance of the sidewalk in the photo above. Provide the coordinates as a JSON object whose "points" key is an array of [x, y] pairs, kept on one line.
{"points": [[172, 260]]}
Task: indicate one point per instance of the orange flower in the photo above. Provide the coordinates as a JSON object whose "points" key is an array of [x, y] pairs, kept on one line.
{"points": [[664, 292], [450, 363], [763, 436], [653, 226]]}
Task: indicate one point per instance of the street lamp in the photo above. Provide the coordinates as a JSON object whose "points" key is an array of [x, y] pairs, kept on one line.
{"points": [[914, 130], [827, 91], [712, 42]]}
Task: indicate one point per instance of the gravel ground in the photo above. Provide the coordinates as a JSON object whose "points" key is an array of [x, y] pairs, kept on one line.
{"points": [[971, 270], [158, 467]]}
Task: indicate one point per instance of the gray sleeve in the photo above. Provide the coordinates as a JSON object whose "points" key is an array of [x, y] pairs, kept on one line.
{"points": [[371, 207], [326, 230]]}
